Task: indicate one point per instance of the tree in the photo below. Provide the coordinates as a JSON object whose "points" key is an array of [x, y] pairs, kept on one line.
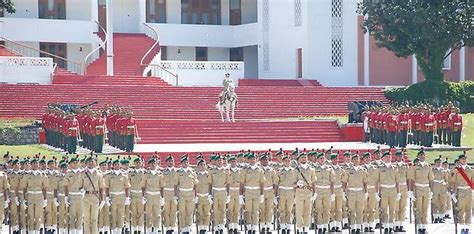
{"points": [[7, 5], [429, 29]]}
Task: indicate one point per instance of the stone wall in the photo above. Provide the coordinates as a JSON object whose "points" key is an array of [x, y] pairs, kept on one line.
{"points": [[19, 136]]}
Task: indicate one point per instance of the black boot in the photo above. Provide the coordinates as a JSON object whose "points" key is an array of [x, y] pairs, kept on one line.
{"points": [[268, 231], [353, 231], [346, 226], [263, 231], [378, 225], [337, 229], [401, 229], [283, 231], [325, 230], [235, 231], [358, 231], [371, 229]]}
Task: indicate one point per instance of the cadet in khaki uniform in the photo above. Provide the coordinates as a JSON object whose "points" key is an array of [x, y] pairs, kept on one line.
{"points": [[389, 189], [266, 208], [305, 195], [219, 181], [34, 185], [4, 200], [93, 185], [325, 193], [186, 204], [252, 179], [136, 176], [104, 211], [203, 189], [347, 164], [51, 209], [125, 167], [420, 176], [355, 182], [25, 169], [339, 202], [233, 207], [153, 184], [73, 196], [14, 178], [447, 202], [462, 193], [440, 192], [372, 207], [117, 190], [402, 203], [286, 183], [62, 208], [169, 195]]}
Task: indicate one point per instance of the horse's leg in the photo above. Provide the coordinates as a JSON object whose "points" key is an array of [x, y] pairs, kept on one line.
{"points": [[233, 111], [227, 110], [221, 110]]}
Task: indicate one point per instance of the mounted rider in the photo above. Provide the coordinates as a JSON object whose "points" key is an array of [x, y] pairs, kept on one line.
{"points": [[225, 83]]}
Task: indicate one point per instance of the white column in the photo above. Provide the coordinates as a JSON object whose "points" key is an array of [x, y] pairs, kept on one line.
{"points": [[110, 36], [94, 10], [366, 59], [462, 64], [141, 14], [414, 70]]}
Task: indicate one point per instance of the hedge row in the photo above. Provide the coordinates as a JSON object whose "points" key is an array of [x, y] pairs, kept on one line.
{"points": [[436, 93]]}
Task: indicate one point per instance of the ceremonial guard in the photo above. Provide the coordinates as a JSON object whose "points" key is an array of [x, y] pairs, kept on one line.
{"points": [[233, 208], [185, 183], [286, 183], [266, 208], [169, 195], [117, 191], [252, 179], [219, 193], [420, 177], [204, 202], [388, 181], [305, 195], [93, 186], [137, 195], [439, 187], [462, 193], [340, 200], [324, 193], [153, 183]]}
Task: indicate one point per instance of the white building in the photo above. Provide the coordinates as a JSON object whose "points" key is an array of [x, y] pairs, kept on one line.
{"points": [[277, 39]]}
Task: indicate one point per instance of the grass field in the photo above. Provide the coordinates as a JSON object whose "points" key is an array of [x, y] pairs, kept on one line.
{"points": [[11, 123]]}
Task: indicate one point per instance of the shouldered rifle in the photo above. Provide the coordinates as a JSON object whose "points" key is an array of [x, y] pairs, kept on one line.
{"points": [[302, 175]]}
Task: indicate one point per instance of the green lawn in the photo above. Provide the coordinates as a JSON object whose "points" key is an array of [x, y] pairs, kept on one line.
{"points": [[27, 150], [10, 123]]}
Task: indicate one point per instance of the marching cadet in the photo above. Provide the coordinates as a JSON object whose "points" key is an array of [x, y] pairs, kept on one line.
{"points": [[372, 206], [104, 212], [136, 176], [169, 195], [355, 182], [14, 177], [447, 202], [185, 183], [325, 193], [117, 190], [93, 185], [252, 180], [34, 185], [51, 209], [73, 196], [402, 202], [266, 208], [62, 208], [440, 191], [219, 194], [305, 194], [25, 169], [339, 198], [347, 164], [420, 176], [462, 193], [203, 189], [5, 187], [233, 208], [286, 182], [153, 184], [125, 168], [389, 189]]}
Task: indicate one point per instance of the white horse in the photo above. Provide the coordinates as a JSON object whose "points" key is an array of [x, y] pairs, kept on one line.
{"points": [[227, 102]]}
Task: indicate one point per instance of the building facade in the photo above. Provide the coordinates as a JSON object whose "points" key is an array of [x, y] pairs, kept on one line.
{"points": [[276, 39]]}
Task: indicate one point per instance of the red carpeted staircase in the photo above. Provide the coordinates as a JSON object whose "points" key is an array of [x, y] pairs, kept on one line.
{"points": [[274, 82], [5, 52]]}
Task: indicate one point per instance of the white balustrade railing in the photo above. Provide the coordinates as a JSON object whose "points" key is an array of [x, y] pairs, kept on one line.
{"points": [[18, 69]]}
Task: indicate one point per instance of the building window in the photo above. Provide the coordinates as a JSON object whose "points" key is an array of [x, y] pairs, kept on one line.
{"points": [[299, 63], [235, 12], [52, 9], [298, 13], [337, 45], [447, 62], [201, 53], [237, 54], [163, 52], [156, 11], [201, 12], [58, 49]]}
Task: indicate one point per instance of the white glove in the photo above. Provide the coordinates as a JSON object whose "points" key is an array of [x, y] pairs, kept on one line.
{"points": [[227, 200], [108, 202], [399, 196], [366, 195], [162, 202], [101, 204], [377, 197], [411, 195], [333, 197], [5, 205], [275, 201], [209, 199], [66, 201], [313, 198], [241, 199], [17, 201], [56, 203], [25, 204], [195, 200], [127, 201], [45, 203], [144, 200], [453, 197], [300, 183], [344, 195], [262, 198], [175, 200], [430, 195]]}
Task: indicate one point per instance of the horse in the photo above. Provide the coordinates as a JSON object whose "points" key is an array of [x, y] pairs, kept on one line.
{"points": [[227, 102]]}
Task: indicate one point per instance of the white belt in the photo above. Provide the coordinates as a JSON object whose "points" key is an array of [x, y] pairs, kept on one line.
{"points": [[251, 187], [337, 186], [117, 193], [130, 126], [61, 194], [72, 128], [234, 188], [323, 186], [422, 185], [202, 194], [186, 189], [34, 192], [404, 122], [404, 183], [355, 189], [457, 123], [370, 187], [464, 187], [168, 189], [50, 193], [99, 127], [75, 193], [152, 193], [428, 124], [387, 186], [268, 188], [136, 191], [439, 181], [218, 189], [286, 188], [20, 192]]}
